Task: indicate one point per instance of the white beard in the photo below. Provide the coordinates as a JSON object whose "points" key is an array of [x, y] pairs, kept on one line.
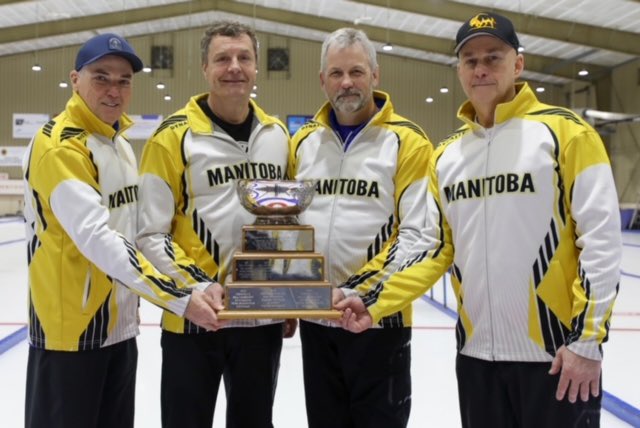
{"points": [[349, 106]]}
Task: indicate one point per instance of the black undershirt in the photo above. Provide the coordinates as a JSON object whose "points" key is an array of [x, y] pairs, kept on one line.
{"points": [[239, 132]]}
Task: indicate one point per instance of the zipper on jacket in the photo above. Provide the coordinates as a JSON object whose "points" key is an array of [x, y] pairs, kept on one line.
{"points": [[253, 135], [489, 134], [333, 209]]}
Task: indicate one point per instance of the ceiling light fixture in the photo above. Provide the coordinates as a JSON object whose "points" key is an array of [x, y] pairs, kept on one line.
{"points": [[167, 97], [388, 47], [160, 85], [36, 66], [540, 89], [361, 19], [444, 90], [583, 72], [428, 100], [147, 69], [63, 84]]}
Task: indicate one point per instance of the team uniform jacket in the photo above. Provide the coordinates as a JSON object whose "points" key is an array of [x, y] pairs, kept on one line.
{"points": [[369, 204], [190, 214], [80, 211], [525, 214]]}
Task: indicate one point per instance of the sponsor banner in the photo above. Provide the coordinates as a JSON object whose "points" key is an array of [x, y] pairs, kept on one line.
{"points": [[12, 155], [11, 187], [25, 125]]}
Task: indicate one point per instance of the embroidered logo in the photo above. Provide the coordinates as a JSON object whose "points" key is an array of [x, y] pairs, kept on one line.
{"points": [[115, 44], [482, 21]]}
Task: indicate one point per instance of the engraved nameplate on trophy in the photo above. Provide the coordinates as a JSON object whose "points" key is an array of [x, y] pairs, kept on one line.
{"points": [[278, 267], [276, 273], [266, 296], [265, 238]]}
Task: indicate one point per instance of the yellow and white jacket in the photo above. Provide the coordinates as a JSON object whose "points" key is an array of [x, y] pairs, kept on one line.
{"points": [[81, 192], [369, 205], [526, 216], [190, 215]]}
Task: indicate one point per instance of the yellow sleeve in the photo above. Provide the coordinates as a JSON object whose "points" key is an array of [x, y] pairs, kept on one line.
{"points": [[428, 260], [410, 210]]}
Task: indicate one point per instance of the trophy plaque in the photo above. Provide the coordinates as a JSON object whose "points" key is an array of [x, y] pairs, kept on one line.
{"points": [[277, 273]]}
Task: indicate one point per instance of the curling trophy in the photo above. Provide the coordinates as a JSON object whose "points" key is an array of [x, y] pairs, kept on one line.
{"points": [[277, 274]]}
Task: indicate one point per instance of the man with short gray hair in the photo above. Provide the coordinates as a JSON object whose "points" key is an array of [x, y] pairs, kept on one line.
{"points": [[368, 209]]}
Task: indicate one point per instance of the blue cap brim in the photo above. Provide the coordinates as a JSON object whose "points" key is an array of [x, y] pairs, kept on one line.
{"points": [[136, 63]]}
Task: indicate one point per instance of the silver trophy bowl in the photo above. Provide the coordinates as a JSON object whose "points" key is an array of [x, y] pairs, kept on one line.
{"points": [[275, 201]]}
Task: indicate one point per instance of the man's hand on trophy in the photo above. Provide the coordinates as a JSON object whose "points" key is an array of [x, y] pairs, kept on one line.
{"points": [[355, 316], [340, 293], [336, 295], [204, 305], [216, 292]]}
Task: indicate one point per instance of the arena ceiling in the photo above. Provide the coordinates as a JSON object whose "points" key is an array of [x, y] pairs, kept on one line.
{"points": [[560, 37]]}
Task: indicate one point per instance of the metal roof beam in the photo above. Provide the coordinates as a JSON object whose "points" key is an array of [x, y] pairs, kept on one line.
{"points": [[563, 31], [536, 63]]}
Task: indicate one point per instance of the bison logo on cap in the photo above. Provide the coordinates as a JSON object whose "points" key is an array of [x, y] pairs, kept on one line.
{"points": [[482, 21]]}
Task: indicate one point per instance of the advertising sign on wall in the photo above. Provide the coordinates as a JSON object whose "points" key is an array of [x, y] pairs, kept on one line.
{"points": [[25, 125]]}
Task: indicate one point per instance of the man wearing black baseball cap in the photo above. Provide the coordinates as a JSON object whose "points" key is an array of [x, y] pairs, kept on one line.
{"points": [[523, 207], [489, 63], [85, 275], [490, 24]]}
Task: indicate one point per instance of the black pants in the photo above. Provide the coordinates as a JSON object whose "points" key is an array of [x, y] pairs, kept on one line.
{"points": [[247, 359], [356, 380], [500, 394], [83, 389]]}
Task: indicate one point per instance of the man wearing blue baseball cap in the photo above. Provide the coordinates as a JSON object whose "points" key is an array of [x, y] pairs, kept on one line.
{"points": [[522, 208], [85, 275], [103, 76], [107, 44]]}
